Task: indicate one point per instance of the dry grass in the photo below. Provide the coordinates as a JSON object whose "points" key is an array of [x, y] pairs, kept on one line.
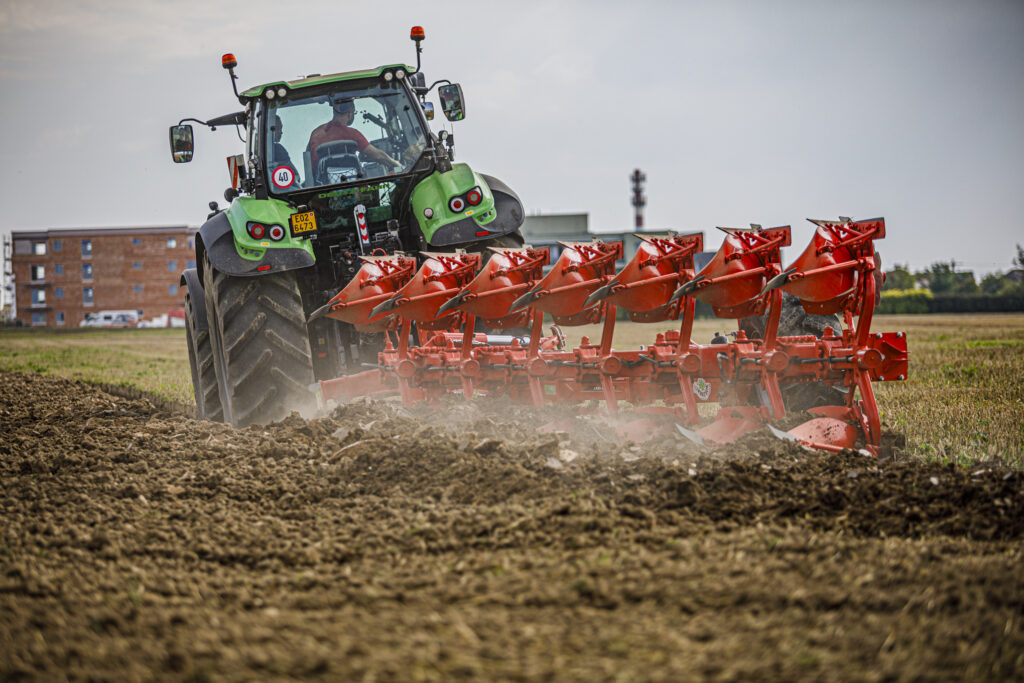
{"points": [[155, 361], [963, 401]]}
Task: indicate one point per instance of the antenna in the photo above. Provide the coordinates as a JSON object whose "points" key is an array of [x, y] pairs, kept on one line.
{"points": [[639, 200]]}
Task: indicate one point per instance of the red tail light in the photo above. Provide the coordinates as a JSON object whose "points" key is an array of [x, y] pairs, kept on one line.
{"points": [[474, 196], [257, 231], [456, 204], [276, 233]]}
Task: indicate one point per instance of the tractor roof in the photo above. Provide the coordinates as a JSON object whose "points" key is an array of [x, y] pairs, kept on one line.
{"points": [[317, 79]]}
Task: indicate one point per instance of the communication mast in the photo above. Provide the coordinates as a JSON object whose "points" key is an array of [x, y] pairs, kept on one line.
{"points": [[639, 200]]}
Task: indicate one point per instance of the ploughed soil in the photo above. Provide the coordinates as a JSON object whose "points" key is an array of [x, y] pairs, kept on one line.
{"points": [[379, 543]]}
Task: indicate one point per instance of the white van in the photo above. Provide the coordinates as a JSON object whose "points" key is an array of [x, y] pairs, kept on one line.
{"points": [[111, 319]]}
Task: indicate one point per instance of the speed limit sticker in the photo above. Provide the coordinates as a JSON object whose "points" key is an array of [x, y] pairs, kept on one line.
{"points": [[283, 177]]}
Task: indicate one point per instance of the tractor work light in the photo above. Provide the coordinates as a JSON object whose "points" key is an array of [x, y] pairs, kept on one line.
{"points": [[399, 74], [256, 230], [228, 61], [474, 196], [269, 94], [417, 33], [388, 76], [456, 204], [428, 212], [281, 92]]}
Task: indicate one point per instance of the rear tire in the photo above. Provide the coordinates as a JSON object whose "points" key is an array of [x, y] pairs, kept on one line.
{"points": [[794, 321], [204, 375], [260, 345]]}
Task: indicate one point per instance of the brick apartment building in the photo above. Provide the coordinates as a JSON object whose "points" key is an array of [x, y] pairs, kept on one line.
{"points": [[60, 275]]}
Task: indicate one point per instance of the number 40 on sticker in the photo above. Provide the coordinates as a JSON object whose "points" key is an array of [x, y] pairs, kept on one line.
{"points": [[283, 177]]}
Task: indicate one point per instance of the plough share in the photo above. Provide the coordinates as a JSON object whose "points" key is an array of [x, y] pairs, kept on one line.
{"points": [[433, 319]]}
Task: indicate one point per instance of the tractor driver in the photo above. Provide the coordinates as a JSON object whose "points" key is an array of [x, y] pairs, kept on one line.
{"points": [[340, 128], [280, 154]]}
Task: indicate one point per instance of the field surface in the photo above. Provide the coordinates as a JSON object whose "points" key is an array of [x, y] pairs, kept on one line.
{"points": [[382, 543]]}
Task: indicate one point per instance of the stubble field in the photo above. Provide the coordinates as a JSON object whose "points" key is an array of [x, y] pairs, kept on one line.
{"points": [[381, 543]]}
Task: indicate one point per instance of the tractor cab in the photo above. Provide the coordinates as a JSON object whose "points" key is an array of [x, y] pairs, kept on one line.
{"points": [[340, 133], [333, 143]]}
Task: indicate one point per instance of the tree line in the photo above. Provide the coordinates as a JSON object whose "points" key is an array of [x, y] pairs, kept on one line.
{"points": [[941, 288]]}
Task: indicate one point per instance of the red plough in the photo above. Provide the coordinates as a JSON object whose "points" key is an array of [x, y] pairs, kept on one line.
{"points": [[435, 346]]}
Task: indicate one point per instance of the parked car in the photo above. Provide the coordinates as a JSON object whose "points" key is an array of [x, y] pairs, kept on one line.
{"points": [[111, 319]]}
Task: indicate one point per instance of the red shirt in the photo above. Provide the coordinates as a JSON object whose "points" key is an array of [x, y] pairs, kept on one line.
{"points": [[331, 131]]}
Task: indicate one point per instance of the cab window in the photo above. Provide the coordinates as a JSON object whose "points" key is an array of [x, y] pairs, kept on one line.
{"points": [[346, 133]]}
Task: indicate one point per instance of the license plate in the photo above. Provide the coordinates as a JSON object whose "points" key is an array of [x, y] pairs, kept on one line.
{"points": [[303, 223]]}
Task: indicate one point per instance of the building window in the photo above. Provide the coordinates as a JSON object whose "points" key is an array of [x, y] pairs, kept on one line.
{"points": [[136, 241], [58, 293], [58, 245], [137, 265], [39, 248], [172, 243], [138, 289], [37, 273], [86, 271], [172, 266], [58, 269], [172, 289], [86, 248], [38, 297], [190, 264], [38, 318], [87, 296], [60, 318]]}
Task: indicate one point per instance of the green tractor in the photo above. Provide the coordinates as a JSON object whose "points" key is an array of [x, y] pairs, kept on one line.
{"points": [[335, 167]]}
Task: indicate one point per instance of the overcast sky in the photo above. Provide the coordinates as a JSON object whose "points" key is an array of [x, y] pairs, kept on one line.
{"points": [[738, 112]]}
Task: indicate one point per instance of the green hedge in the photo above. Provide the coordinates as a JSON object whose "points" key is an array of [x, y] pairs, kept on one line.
{"points": [[922, 301], [976, 304], [905, 301]]}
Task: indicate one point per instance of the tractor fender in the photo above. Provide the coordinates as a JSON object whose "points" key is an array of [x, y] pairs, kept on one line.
{"points": [[192, 284], [507, 205], [216, 240], [509, 217]]}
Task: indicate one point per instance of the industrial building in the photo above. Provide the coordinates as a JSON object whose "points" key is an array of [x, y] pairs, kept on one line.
{"points": [[61, 275]]}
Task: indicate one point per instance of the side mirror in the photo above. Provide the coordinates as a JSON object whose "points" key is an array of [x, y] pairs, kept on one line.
{"points": [[182, 144], [451, 102], [428, 110]]}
